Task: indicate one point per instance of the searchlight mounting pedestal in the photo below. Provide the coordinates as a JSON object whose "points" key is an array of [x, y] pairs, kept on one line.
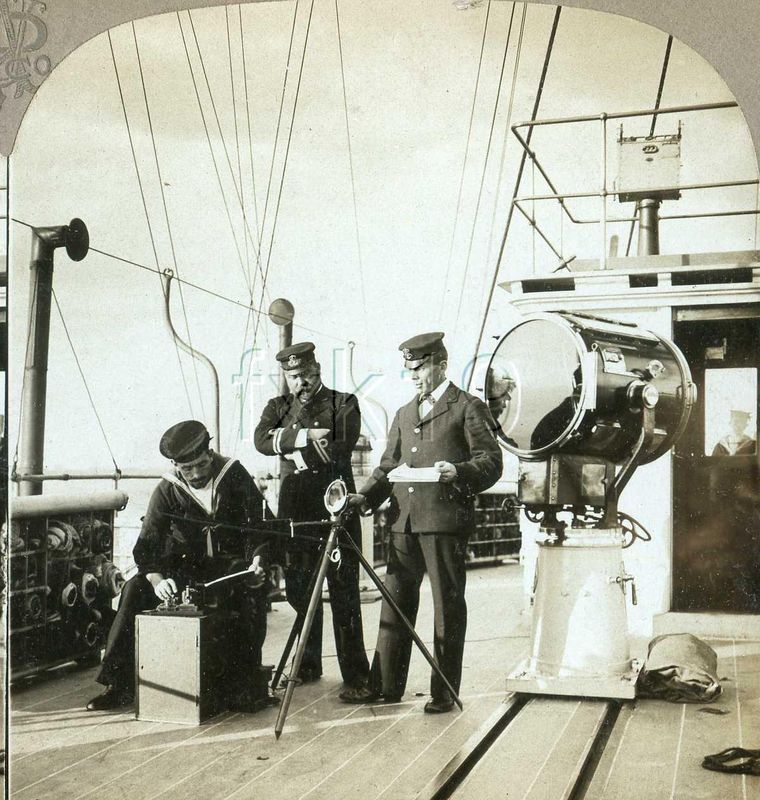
{"points": [[582, 402]]}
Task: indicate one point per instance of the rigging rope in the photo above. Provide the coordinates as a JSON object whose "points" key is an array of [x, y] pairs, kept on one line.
{"points": [[166, 210], [84, 381], [351, 168], [661, 85], [279, 192], [144, 204], [510, 213], [237, 145], [464, 162], [485, 166], [211, 147], [279, 122], [248, 123], [515, 72]]}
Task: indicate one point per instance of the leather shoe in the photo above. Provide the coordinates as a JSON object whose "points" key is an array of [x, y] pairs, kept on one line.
{"points": [[440, 706], [111, 699], [307, 675], [363, 694], [359, 694]]}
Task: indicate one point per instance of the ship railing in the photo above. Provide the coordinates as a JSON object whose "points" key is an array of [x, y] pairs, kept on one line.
{"points": [[604, 191]]}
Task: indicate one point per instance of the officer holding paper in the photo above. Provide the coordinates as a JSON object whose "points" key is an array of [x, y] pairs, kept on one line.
{"points": [[446, 434]]}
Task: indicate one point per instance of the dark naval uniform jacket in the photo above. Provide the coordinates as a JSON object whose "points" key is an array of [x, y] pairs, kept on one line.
{"points": [[180, 540], [178, 537], [302, 489], [458, 429]]}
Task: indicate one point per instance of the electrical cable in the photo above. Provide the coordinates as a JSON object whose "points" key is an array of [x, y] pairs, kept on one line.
{"points": [[464, 162], [84, 380], [145, 206], [536, 104], [210, 292], [485, 167], [166, 209]]}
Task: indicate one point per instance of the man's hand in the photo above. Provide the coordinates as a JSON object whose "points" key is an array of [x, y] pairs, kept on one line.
{"points": [[317, 433], [256, 567], [165, 589], [448, 471], [358, 502]]}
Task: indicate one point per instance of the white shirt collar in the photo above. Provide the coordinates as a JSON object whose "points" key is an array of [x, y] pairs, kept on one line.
{"points": [[437, 393], [440, 389]]}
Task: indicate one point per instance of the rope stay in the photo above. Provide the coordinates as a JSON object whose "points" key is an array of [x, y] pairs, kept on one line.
{"points": [[510, 213], [279, 191], [351, 169], [464, 162], [485, 167], [144, 204], [84, 381], [279, 122], [210, 143], [507, 125], [248, 121], [165, 208], [237, 146]]}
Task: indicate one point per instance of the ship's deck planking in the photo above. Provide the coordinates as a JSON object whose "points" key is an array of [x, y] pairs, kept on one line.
{"points": [[332, 750]]}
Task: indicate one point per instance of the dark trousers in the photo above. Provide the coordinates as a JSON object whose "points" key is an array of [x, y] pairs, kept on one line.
{"points": [[343, 583], [410, 556], [244, 642]]}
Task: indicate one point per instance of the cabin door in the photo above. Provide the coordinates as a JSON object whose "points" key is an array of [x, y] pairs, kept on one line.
{"points": [[716, 475]]}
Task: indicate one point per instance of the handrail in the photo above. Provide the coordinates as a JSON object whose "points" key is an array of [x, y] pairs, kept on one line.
{"points": [[603, 193]]}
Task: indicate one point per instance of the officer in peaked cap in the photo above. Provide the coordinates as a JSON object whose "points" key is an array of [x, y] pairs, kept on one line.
{"points": [[179, 543], [313, 431], [420, 348], [445, 428]]}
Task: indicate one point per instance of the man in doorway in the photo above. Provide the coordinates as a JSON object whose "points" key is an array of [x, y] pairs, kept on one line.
{"points": [[313, 430], [193, 532], [445, 428], [736, 442]]}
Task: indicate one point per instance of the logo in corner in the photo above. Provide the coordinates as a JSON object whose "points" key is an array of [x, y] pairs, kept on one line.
{"points": [[22, 37]]}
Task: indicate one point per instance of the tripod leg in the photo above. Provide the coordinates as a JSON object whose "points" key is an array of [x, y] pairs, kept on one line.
{"points": [[408, 625], [292, 636], [316, 595]]}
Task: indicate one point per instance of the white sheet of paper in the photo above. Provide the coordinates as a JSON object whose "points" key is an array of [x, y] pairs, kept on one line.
{"points": [[406, 474]]}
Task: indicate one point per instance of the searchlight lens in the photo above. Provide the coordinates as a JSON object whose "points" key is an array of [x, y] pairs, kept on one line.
{"points": [[336, 497], [534, 384]]}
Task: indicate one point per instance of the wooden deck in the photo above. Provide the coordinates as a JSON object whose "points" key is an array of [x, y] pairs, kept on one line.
{"points": [[331, 750]]}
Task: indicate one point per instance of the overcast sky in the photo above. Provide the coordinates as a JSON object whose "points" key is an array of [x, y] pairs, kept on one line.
{"points": [[372, 261]]}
